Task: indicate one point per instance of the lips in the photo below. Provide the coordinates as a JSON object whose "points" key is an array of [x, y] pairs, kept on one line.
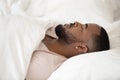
{"points": [[66, 25]]}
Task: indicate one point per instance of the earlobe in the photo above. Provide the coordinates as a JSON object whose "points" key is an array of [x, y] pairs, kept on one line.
{"points": [[82, 48]]}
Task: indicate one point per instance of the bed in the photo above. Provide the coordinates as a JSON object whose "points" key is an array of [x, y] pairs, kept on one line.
{"points": [[23, 24]]}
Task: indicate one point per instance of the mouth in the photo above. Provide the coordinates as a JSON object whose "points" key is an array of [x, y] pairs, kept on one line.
{"points": [[67, 25]]}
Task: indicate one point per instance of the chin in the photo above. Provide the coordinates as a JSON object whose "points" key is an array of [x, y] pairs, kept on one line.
{"points": [[59, 30]]}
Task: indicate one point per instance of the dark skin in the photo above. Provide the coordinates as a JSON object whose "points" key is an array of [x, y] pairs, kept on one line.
{"points": [[81, 32]]}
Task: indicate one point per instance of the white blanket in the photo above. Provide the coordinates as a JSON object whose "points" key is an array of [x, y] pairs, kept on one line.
{"points": [[19, 37]]}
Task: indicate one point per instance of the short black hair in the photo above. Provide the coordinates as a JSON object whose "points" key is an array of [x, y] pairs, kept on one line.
{"points": [[100, 42]]}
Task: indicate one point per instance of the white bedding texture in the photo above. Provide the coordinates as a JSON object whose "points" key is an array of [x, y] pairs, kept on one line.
{"points": [[23, 24]]}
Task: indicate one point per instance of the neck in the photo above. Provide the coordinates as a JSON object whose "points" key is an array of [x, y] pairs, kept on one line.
{"points": [[55, 45]]}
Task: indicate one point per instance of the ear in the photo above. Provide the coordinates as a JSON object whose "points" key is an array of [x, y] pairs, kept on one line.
{"points": [[81, 47]]}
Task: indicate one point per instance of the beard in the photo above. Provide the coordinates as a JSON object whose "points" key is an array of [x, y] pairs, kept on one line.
{"points": [[63, 35], [60, 31]]}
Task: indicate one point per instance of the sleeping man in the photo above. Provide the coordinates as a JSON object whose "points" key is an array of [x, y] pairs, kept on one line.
{"points": [[72, 39]]}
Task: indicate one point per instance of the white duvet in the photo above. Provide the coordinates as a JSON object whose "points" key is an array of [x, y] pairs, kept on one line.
{"points": [[19, 37], [23, 24]]}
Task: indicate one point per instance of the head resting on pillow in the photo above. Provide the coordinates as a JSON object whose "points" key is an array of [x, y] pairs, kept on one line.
{"points": [[77, 38]]}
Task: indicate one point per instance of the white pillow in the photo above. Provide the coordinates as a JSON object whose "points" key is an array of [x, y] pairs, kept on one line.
{"points": [[97, 11], [79, 10], [114, 34], [104, 65], [93, 66], [115, 6]]}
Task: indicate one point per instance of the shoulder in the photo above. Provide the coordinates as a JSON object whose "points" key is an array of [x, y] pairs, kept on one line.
{"points": [[47, 57]]}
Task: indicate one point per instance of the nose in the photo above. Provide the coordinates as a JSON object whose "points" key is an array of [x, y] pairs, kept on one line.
{"points": [[76, 24]]}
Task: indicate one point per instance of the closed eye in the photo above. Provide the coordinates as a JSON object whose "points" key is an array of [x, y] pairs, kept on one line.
{"points": [[86, 26]]}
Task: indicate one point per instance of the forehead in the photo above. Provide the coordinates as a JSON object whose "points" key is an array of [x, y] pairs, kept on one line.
{"points": [[90, 31], [93, 29]]}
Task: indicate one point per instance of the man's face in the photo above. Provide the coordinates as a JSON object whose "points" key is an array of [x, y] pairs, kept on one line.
{"points": [[77, 31]]}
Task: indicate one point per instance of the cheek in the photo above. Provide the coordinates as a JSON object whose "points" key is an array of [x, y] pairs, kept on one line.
{"points": [[76, 33], [72, 52], [86, 36]]}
